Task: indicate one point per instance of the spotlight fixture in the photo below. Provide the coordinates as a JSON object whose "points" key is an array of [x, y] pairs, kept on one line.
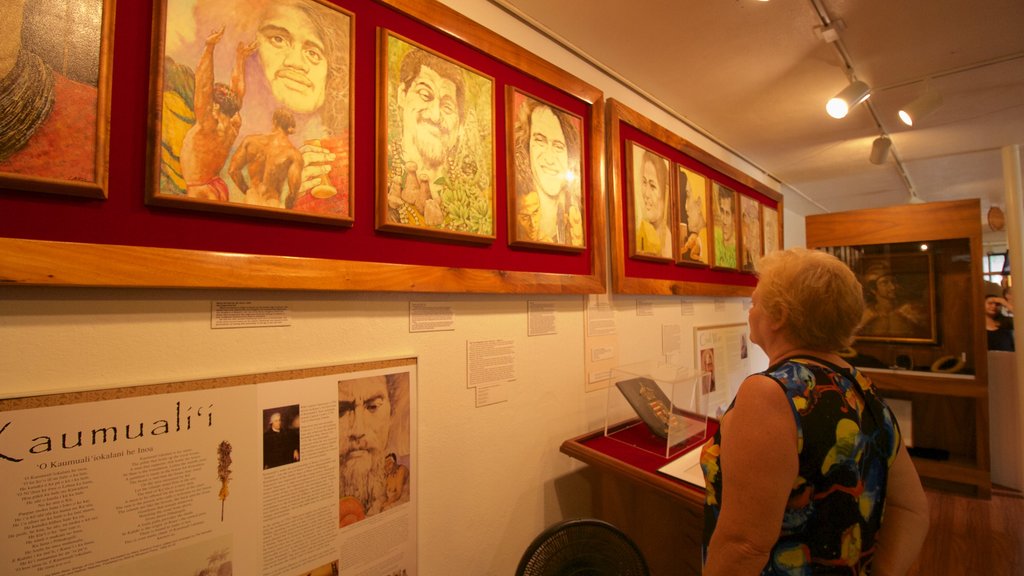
{"points": [[880, 149], [924, 105], [852, 95]]}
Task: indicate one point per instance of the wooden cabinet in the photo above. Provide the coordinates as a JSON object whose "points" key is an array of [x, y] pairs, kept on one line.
{"points": [[950, 410]]}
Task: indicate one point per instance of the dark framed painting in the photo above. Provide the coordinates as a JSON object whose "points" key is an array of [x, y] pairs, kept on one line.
{"points": [[55, 96], [772, 230], [692, 190], [751, 232], [436, 144], [724, 202], [650, 203], [546, 200], [899, 298], [252, 101]]}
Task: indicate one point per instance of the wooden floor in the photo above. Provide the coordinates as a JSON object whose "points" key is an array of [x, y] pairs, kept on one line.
{"points": [[970, 536]]}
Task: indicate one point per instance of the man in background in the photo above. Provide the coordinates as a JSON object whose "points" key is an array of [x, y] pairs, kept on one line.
{"points": [[273, 164]]}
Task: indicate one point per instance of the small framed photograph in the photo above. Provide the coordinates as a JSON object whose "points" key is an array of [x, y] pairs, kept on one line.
{"points": [[725, 254], [650, 204], [899, 298], [56, 96], [437, 144], [252, 102], [772, 230], [750, 234], [692, 190], [545, 165]]}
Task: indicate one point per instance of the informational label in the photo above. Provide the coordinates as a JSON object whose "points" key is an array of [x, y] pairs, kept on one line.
{"points": [[600, 317], [249, 314], [599, 353], [722, 357], [687, 308], [601, 345], [671, 338], [644, 308], [490, 362], [541, 319], [487, 395], [431, 317]]}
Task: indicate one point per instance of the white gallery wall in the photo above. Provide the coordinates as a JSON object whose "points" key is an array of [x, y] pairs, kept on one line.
{"points": [[490, 477]]}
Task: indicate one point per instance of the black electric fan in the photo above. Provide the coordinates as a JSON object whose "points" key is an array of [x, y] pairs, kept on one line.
{"points": [[582, 547]]}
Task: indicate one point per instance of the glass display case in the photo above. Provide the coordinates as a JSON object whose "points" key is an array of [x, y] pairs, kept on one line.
{"points": [[922, 339], [917, 311], [657, 407]]}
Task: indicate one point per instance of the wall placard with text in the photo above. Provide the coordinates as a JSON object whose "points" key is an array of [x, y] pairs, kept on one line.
{"points": [[273, 473]]}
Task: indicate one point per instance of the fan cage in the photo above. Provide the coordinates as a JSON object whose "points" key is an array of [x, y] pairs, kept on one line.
{"points": [[582, 547]]}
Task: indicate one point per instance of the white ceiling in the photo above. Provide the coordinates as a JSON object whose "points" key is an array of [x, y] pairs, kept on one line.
{"points": [[755, 77]]}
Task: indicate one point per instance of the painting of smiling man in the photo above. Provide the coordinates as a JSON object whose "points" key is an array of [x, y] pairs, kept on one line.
{"points": [[254, 107]]}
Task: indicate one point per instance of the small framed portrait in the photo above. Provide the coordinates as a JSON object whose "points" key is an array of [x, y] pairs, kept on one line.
{"points": [[546, 163], [281, 438], [692, 190], [252, 101], [725, 254], [55, 96], [899, 298], [751, 248], [772, 230], [707, 372], [436, 162], [650, 204]]}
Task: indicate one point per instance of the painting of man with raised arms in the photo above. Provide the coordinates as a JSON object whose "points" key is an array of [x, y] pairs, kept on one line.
{"points": [[255, 106]]}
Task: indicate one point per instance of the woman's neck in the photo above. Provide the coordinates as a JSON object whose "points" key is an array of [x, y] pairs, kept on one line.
{"points": [[786, 349]]}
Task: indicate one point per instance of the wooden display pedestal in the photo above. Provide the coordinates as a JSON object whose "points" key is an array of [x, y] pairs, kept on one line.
{"points": [[663, 515]]}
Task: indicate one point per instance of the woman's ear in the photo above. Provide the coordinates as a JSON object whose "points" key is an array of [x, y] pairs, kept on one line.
{"points": [[779, 319]]}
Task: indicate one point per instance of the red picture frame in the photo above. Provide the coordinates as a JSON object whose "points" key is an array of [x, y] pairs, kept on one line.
{"points": [[57, 113], [638, 275], [127, 242]]}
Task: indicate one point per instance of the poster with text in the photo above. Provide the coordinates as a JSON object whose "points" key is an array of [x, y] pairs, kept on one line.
{"points": [[227, 476]]}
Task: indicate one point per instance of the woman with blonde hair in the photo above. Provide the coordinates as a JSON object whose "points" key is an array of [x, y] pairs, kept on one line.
{"points": [[807, 473]]}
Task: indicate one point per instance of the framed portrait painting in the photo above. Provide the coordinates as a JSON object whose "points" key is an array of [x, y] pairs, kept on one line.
{"points": [[650, 203], [55, 96], [436, 144], [772, 231], [751, 245], [899, 298], [252, 102], [725, 254], [692, 190], [546, 162]]}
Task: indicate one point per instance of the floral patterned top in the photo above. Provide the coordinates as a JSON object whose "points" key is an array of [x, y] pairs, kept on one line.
{"points": [[847, 437]]}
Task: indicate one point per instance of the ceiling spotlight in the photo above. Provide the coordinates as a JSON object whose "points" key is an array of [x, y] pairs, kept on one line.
{"points": [[852, 95], [924, 105], [880, 149]]}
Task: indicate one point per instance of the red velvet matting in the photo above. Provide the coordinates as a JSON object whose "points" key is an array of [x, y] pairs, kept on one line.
{"points": [[638, 447], [125, 219], [638, 268]]}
